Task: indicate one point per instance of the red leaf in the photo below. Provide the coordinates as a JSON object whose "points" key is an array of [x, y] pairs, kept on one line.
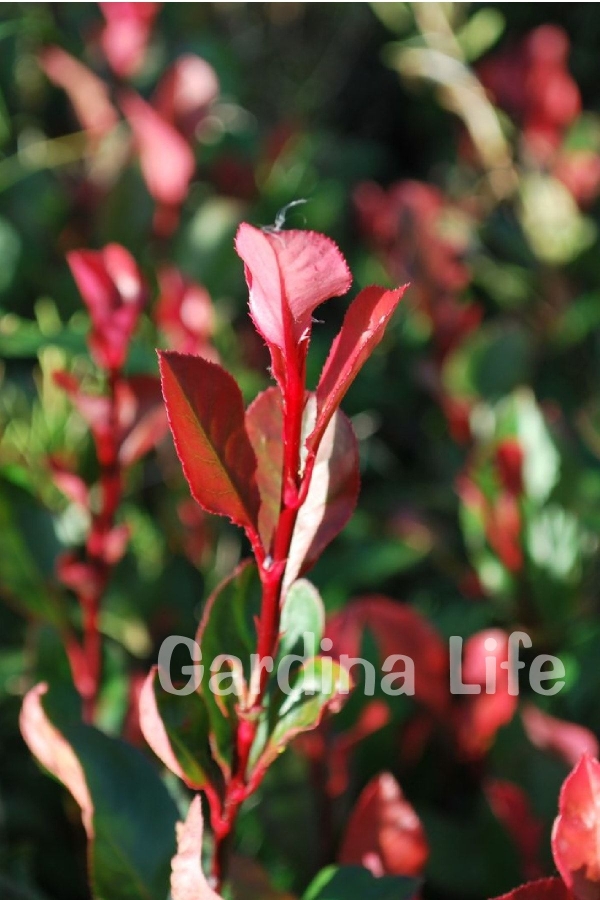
{"points": [[206, 415], [166, 159], [111, 286], [126, 34], [362, 329], [478, 717], [185, 313], [88, 94], [397, 629], [142, 417], [289, 273], [576, 831], [188, 881], [384, 833], [186, 92], [114, 544], [509, 463], [332, 494], [264, 424], [543, 889], [54, 753], [565, 739]]}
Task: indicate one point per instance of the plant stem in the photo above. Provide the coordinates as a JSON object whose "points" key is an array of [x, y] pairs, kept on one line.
{"points": [[272, 571], [102, 524]]}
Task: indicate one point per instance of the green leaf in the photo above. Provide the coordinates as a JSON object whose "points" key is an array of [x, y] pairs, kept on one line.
{"points": [[490, 363], [353, 882], [228, 627], [314, 687], [520, 416], [127, 811], [302, 613], [28, 540]]}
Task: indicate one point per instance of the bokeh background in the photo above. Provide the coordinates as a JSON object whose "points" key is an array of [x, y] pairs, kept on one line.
{"points": [[455, 146]]}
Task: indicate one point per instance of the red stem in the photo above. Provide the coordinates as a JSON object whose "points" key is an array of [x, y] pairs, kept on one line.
{"points": [[272, 570], [102, 523]]}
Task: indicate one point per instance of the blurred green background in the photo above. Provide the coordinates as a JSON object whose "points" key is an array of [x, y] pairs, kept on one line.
{"points": [[453, 145]]}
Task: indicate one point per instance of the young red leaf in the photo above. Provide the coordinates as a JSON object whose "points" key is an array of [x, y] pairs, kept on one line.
{"points": [[576, 831], [566, 740], [289, 273], [206, 415], [185, 314], [166, 159], [384, 833], [126, 34], [113, 290], [362, 329], [188, 881], [543, 889], [88, 94], [186, 92], [478, 717]]}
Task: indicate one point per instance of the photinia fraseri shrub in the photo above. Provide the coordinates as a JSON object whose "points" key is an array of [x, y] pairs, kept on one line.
{"points": [[286, 471]]}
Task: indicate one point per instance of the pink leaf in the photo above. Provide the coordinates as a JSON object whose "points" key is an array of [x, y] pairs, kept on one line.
{"points": [[576, 831], [153, 729], [126, 34], [543, 889], [384, 833], [185, 313], [166, 159], [188, 881], [88, 94], [114, 544], [54, 753], [69, 483], [362, 329], [186, 92], [289, 273], [206, 416], [332, 494], [566, 740], [142, 417]]}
